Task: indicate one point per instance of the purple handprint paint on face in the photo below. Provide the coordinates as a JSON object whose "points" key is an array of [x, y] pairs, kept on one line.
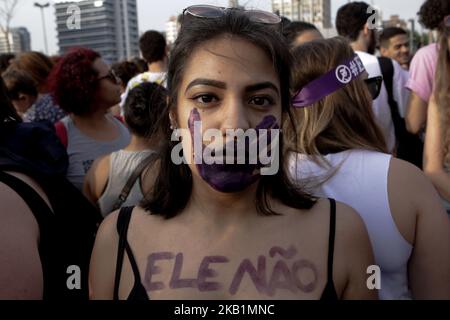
{"points": [[223, 177]]}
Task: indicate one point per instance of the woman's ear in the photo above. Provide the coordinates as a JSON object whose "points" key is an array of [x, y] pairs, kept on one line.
{"points": [[173, 119]]}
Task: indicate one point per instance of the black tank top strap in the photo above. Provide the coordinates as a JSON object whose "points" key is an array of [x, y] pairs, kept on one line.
{"points": [[331, 239], [123, 221], [44, 217], [138, 291], [41, 211], [330, 291]]}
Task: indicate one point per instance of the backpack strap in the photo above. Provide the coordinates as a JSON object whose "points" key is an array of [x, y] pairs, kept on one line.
{"points": [[61, 132], [387, 69], [132, 179]]}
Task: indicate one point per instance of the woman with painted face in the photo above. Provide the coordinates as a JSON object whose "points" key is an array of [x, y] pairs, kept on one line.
{"points": [[221, 225], [85, 87], [340, 145]]}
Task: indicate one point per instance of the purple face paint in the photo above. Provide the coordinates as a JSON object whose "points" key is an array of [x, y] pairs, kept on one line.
{"points": [[229, 178]]}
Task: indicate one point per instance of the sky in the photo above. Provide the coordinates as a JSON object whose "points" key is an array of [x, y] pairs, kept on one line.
{"points": [[153, 14]]}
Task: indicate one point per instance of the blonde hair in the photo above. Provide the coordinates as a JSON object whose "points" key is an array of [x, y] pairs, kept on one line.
{"points": [[341, 121]]}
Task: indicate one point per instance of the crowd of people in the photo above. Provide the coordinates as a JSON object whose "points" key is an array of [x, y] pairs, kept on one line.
{"points": [[359, 125]]}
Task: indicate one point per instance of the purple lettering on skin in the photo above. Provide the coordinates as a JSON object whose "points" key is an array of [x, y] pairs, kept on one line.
{"points": [[287, 254], [175, 281], [228, 178], [304, 264], [205, 272], [258, 276], [151, 270], [281, 278]]}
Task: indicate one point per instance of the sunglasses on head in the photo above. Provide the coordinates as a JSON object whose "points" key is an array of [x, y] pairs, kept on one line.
{"points": [[212, 12], [374, 86], [111, 76]]}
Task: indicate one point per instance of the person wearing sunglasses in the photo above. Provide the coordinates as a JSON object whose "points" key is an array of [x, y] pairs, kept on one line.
{"points": [[86, 88], [340, 144], [437, 137], [215, 230]]}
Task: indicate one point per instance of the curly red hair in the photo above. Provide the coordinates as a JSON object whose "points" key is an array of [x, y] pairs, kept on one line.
{"points": [[73, 81]]}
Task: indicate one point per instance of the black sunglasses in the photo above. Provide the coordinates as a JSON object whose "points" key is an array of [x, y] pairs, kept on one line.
{"points": [[211, 12], [111, 76], [374, 86]]}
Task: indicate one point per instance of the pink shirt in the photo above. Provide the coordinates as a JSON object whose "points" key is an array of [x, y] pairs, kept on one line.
{"points": [[422, 71]]}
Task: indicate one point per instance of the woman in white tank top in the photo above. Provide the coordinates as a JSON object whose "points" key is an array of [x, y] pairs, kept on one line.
{"points": [[109, 174], [338, 141]]}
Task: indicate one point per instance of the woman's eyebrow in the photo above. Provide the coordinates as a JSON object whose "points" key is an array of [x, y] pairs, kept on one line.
{"points": [[206, 82], [262, 85]]}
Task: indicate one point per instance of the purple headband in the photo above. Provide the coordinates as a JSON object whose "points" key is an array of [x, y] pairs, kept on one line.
{"points": [[330, 82]]}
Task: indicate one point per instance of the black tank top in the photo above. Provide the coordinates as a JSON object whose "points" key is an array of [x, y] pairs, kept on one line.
{"points": [[66, 234], [138, 291]]}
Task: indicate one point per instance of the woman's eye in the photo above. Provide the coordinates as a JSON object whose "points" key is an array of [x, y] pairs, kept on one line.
{"points": [[262, 101], [205, 99]]}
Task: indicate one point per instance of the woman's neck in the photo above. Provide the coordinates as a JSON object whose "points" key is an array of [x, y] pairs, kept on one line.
{"points": [[96, 125], [221, 210], [141, 144], [158, 66]]}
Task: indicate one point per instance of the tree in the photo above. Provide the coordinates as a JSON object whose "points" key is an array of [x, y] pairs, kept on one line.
{"points": [[7, 8]]}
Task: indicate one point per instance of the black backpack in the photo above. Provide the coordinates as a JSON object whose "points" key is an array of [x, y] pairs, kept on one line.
{"points": [[67, 235], [409, 146]]}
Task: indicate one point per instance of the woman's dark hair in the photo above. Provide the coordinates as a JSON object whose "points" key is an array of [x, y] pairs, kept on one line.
{"points": [[433, 12], [143, 107], [173, 186], [141, 64], [125, 70], [5, 61], [73, 81], [297, 28], [7, 112], [17, 82], [36, 64]]}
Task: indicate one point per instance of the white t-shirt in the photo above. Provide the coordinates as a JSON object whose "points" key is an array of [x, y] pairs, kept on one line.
{"points": [[380, 105], [157, 77]]}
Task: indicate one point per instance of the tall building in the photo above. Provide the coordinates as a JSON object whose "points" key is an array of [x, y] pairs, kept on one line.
{"points": [[172, 29], [19, 40], [109, 27], [395, 21], [317, 12]]}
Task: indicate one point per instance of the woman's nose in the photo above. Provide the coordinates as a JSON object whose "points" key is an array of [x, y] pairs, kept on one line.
{"points": [[235, 115]]}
